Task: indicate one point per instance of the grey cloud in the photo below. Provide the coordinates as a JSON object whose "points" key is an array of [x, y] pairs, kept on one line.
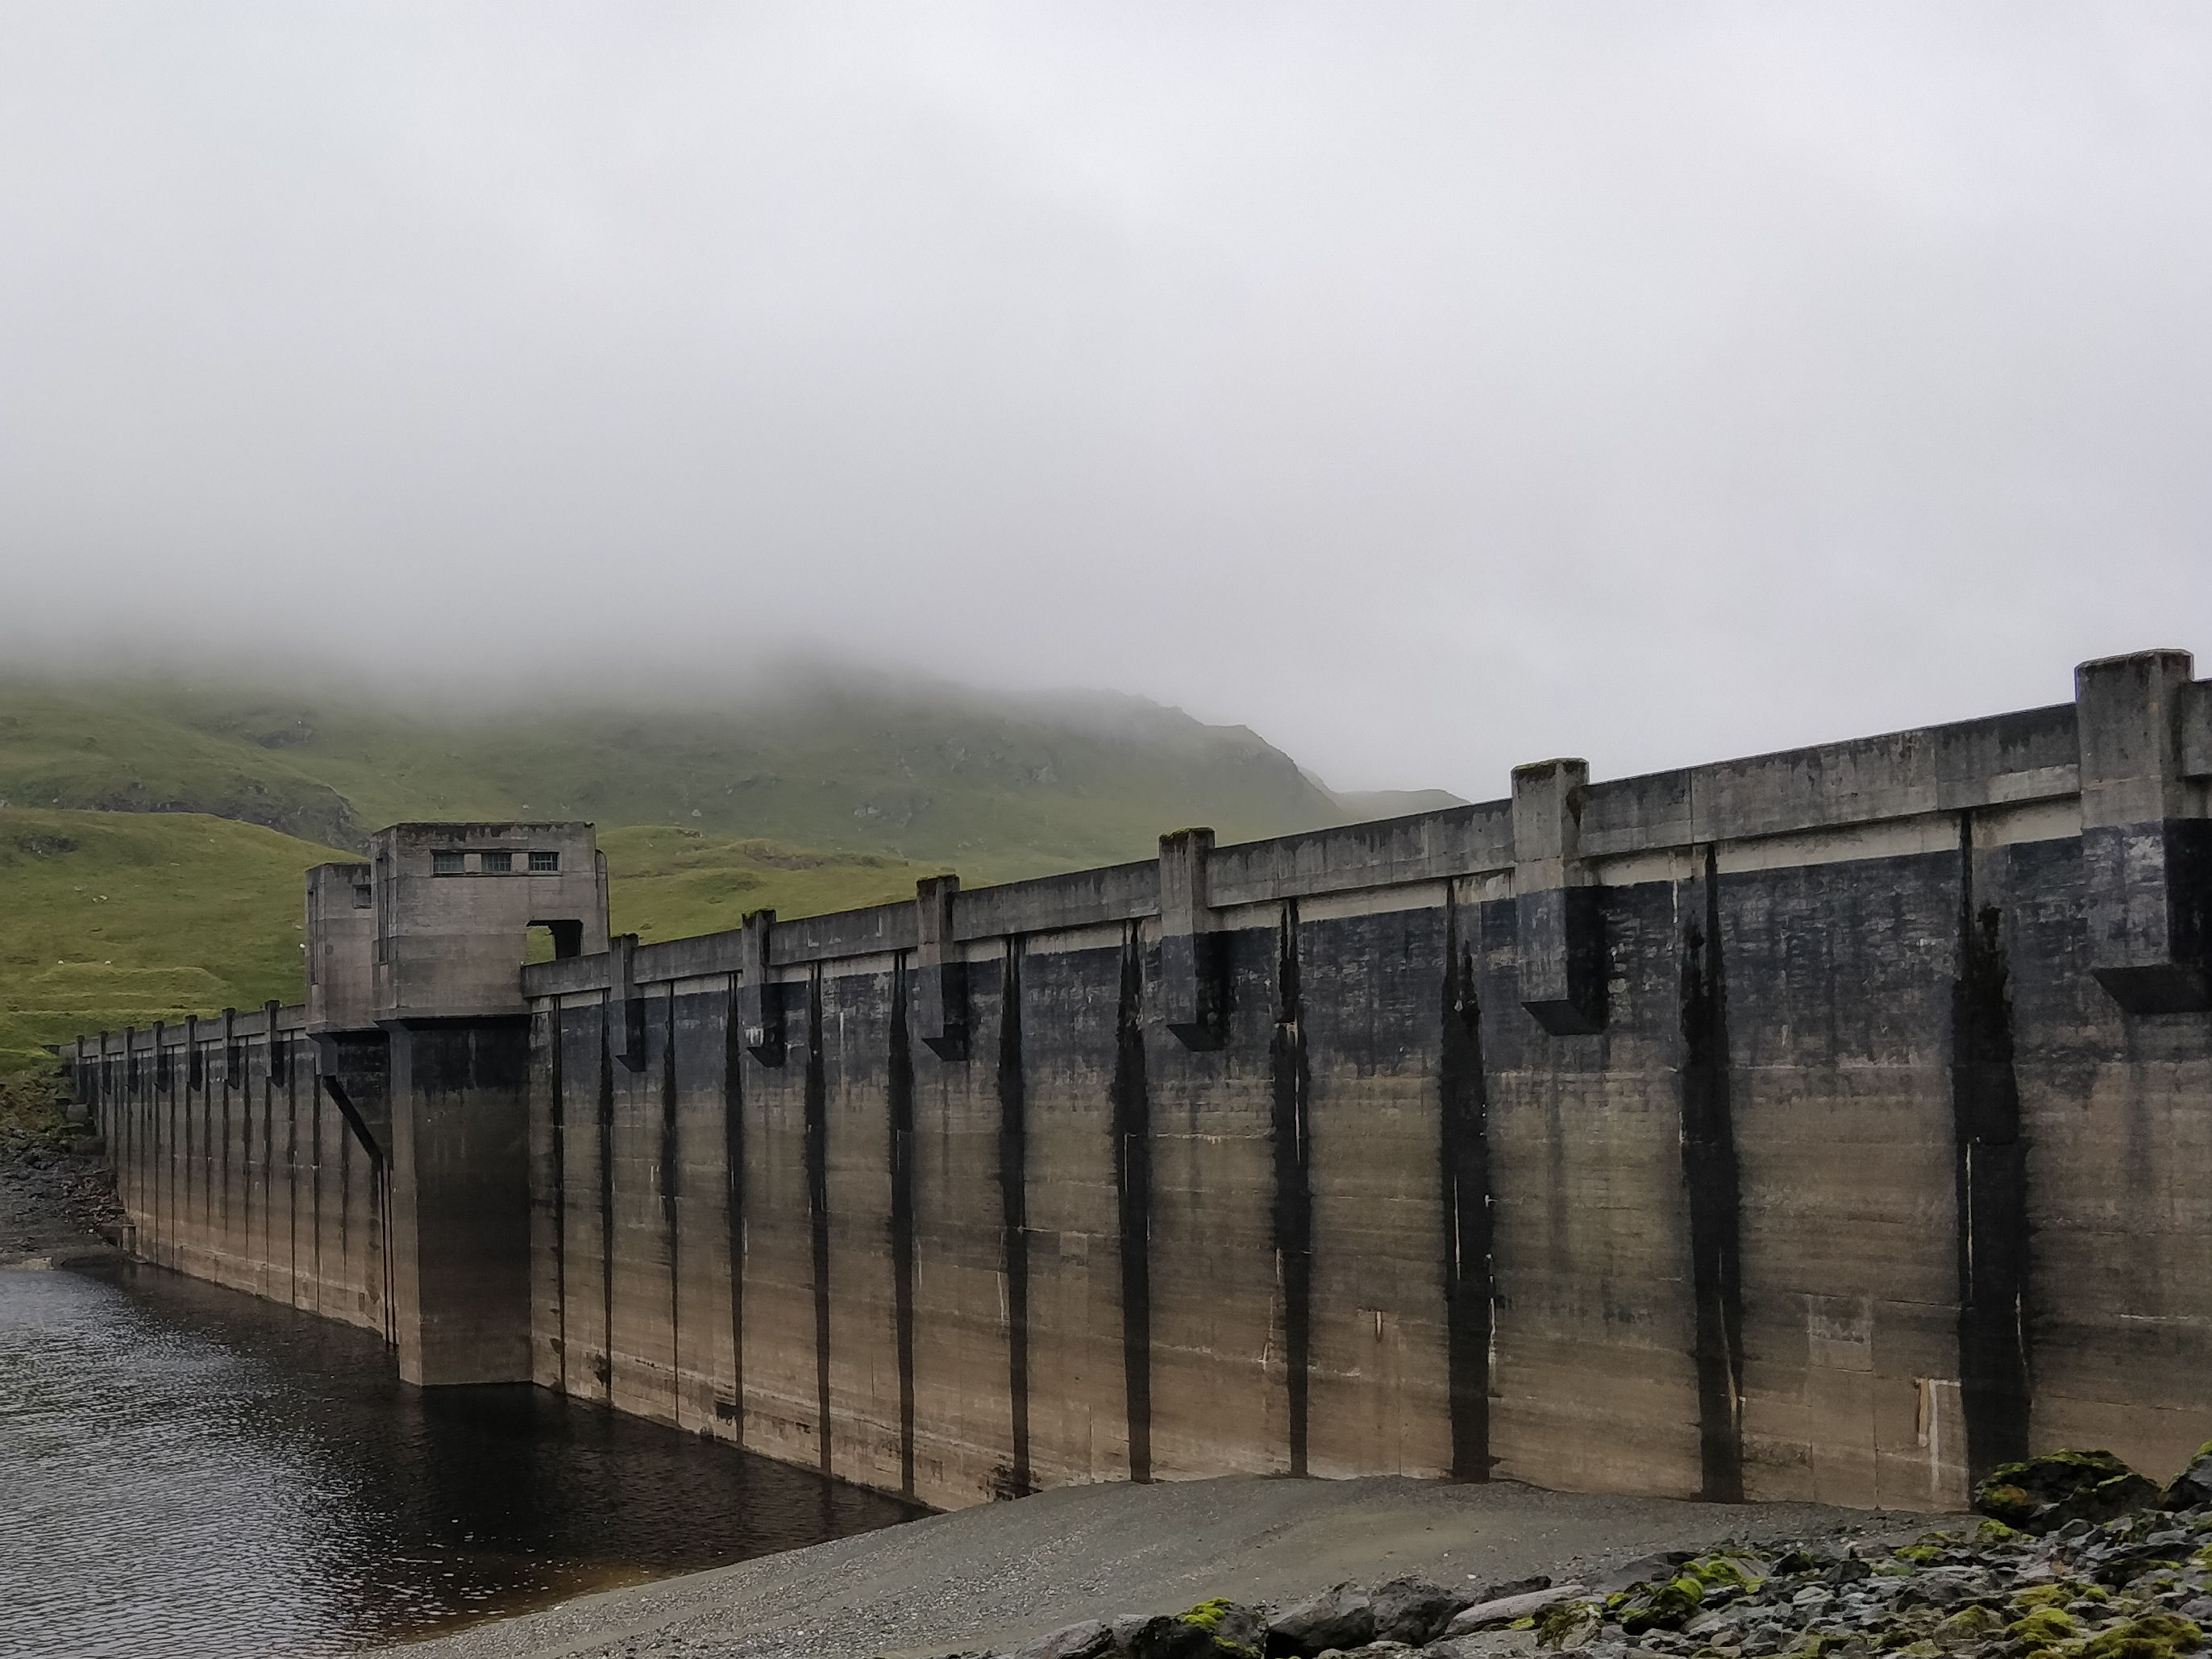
{"points": [[1429, 388]]}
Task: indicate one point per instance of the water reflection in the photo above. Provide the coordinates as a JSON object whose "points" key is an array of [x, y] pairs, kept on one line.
{"points": [[189, 1471]]}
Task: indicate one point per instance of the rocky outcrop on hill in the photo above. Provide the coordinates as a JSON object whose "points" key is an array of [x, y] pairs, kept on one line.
{"points": [[2078, 1557]]}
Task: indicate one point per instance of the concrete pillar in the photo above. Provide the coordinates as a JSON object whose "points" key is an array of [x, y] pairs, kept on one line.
{"points": [[1555, 901], [460, 1199], [628, 1004], [940, 978], [1191, 977], [760, 1011], [2144, 861]]}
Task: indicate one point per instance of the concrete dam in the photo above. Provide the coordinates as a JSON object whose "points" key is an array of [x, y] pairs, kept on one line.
{"points": [[1832, 1125]]}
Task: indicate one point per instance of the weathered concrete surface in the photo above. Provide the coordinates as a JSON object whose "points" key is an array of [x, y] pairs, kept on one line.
{"points": [[1823, 1126], [1001, 1574]]}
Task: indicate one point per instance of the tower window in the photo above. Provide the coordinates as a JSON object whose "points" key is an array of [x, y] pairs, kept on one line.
{"points": [[444, 863], [495, 864], [544, 862], [360, 896]]}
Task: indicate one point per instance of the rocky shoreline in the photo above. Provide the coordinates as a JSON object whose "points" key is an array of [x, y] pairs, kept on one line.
{"points": [[57, 1199], [2077, 1557]]}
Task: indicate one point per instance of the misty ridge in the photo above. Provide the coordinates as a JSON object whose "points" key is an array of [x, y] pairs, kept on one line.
{"points": [[799, 749]]}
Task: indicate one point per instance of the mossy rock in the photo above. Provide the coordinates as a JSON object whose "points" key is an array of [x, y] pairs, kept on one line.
{"points": [[1238, 1631], [1559, 1625], [2045, 1628], [1659, 1606], [2193, 1486], [1969, 1624], [2045, 1492], [2153, 1636], [1717, 1571]]}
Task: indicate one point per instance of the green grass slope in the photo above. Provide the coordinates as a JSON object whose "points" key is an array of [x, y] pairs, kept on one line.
{"points": [[116, 919], [666, 882], [1000, 786], [109, 920], [153, 834], [81, 751]]}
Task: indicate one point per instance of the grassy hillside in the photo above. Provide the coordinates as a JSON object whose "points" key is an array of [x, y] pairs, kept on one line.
{"points": [[1000, 786], [113, 919], [668, 882], [153, 835], [82, 751]]}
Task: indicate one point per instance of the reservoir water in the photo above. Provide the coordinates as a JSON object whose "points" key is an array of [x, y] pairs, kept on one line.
{"points": [[191, 1473]]}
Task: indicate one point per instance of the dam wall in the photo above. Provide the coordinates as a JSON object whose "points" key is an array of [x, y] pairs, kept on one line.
{"points": [[1828, 1124], [237, 1161]]}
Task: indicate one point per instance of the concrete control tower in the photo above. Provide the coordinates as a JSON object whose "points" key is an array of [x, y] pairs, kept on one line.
{"points": [[422, 1036]]}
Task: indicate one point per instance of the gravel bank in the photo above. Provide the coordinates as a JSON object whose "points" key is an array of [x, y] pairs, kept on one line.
{"points": [[999, 1576]]}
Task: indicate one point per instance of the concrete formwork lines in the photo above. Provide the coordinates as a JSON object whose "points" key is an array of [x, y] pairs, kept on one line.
{"points": [[816, 1132], [1290, 1089], [730, 1407], [1464, 1110], [1131, 1104], [900, 1151], [1016, 1479], [1711, 1174]]}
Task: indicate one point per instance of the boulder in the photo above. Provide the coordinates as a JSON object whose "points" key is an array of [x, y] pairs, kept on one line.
{"points": [[2193, 1486], [1645, 1569], [1343, 1617], [1161, 1636], [1088, 1639], [1233, 1631], [1487, 1615], [1513, 1587], [1414, 1611], [1667, 1606], [2045, 1493]]}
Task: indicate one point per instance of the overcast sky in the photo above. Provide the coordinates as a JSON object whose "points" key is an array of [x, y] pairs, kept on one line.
{"points": [[1428, 386]]}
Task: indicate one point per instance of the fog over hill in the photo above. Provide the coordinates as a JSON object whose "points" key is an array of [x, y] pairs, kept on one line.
{"points": [[994, 784]]}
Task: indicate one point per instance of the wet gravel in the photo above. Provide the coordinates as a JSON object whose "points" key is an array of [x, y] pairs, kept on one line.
{"points": [[996, 1577]]}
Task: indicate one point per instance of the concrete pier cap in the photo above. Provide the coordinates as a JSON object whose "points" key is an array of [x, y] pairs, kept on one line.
{"points": [[1556, 913], [2146, 847]]}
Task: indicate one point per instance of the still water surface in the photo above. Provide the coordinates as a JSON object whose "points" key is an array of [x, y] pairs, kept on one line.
{"points": [[191, 1472]]}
